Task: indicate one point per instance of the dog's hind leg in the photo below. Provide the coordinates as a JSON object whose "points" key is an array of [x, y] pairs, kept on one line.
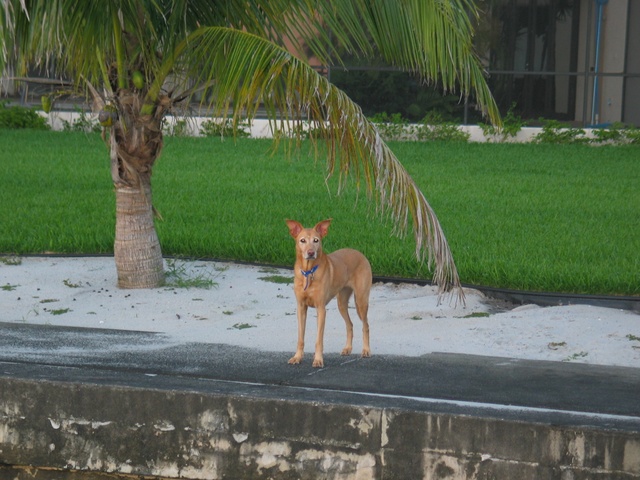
{"points": [[343, 305], [362, 307]]}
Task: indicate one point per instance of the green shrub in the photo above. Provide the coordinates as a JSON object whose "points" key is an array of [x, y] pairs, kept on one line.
{"points": [[392, 127], [395, 127], [21, 117], [617, 133], [554, 131], [433, 127], [512, 123], [223, 128], [179, 128], [83, 123], [612, 134], [632, 135]]}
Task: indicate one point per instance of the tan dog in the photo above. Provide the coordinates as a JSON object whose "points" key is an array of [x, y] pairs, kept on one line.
{"points": [[319, 277]]}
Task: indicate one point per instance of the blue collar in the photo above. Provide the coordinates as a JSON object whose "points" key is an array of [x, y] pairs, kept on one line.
{"points": [[308, 274]]}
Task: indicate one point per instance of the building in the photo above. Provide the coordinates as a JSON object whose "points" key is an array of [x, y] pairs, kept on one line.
{"points": [[575, 61], [572, 60]]}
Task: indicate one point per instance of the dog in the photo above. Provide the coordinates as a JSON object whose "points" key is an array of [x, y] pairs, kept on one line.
{"points": [[319, 277]]}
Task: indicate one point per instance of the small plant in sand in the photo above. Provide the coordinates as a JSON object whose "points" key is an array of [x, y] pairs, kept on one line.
{"points": [[11, 260], [241, 326], [178, 276], [576, 356], [277, 279], [58, 311]]}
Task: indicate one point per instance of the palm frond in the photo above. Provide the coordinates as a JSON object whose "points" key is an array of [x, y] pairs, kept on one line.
{"points": [[431, 38], [250, 70]]}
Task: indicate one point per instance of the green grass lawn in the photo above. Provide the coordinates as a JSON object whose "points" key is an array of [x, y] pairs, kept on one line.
{"points": [[535, 217]]}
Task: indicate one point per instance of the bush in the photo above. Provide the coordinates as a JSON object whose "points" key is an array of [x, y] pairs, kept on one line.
{"points": [[21, 117], [557, 132], [83, 123], [632, 135], [617, 133], [177, 128], [435, 127], [395, 127], [512, 123], [392, 127], [223, 128]]}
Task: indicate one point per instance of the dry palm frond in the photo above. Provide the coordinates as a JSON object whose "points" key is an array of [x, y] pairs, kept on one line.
{"points": [[356, 148]]}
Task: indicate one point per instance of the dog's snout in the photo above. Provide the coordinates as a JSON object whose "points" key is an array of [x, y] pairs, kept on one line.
{"points": [[311, 254]]}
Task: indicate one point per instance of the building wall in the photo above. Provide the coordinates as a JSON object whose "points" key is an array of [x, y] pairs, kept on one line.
{"points": [[613, 60], [613, 44], [563, 62], [631, 92]]}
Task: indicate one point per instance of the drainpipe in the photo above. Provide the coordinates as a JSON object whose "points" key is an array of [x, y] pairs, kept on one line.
{"points": [[595, 110]]}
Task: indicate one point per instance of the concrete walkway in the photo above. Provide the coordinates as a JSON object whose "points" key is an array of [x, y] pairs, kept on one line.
{"points": [[597, 395]]}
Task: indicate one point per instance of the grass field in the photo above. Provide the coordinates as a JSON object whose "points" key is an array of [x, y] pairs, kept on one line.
{"points": [[535, 217]]}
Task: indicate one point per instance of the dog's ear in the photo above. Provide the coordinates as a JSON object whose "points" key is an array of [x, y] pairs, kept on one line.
{"points": [[323, 227], [294, 228]]}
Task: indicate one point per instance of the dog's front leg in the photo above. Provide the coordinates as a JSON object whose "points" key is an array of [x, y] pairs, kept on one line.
{"points": [[302, 322], [318, 360]]}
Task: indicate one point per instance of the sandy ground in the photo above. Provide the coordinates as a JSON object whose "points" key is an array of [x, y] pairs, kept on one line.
{"points": [[249, 308]]}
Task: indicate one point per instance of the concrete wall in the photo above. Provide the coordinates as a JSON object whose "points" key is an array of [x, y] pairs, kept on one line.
{"points": [[260, 128], [66, 430]]}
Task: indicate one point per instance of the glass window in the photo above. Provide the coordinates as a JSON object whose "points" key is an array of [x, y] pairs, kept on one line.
{"points": [[526, 43]]}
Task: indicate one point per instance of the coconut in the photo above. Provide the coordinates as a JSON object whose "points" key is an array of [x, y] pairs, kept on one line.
{"points": [[138, 79], [107, 115], [46, 103]]}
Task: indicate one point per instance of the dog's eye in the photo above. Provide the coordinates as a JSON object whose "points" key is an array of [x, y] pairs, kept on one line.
{"points": [[303, 240], [316, 240]]}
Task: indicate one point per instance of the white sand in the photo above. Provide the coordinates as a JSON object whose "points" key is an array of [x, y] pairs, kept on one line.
{"points": [[246, 310]]}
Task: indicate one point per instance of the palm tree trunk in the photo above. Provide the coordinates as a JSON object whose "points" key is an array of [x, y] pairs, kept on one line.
{"points": [[137, 250], [135, 144]]}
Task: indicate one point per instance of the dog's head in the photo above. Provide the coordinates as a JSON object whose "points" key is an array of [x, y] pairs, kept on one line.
{"points": [[308, 240]]}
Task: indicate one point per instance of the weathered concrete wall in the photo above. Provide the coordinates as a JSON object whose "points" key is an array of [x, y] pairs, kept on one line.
{"points": [[67, 430]]}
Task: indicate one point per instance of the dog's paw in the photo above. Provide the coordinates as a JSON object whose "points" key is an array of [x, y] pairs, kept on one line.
{"points": [[295, 360], [346, 351], [318, 363], [366, 353]]}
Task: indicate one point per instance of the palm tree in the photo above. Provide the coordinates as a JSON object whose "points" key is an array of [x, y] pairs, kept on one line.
{"points": [[140, 59]]}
